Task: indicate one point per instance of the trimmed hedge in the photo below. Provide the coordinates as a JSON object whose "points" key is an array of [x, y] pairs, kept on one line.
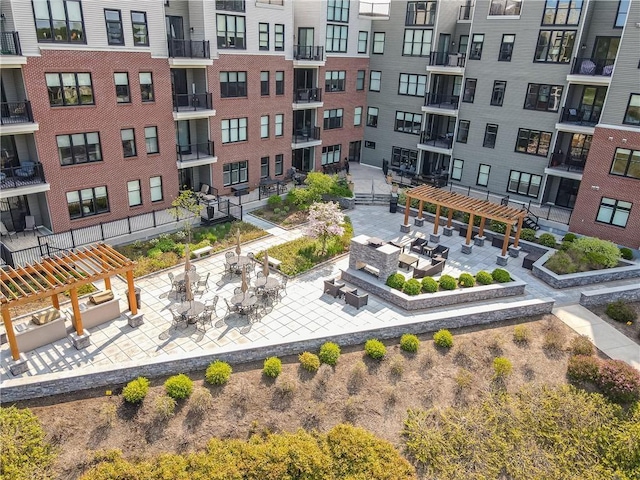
{"points": [[309, 361], [375, 349], [409, 343], [500, 275], [484, 278], [329, 353], [136, 390], [396, 281], [218, 373], [178, 386], [447, 282], [272, 367], [443, 338], [429, 285]]}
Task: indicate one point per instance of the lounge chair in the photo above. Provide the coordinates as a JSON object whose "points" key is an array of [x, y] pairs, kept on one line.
{"points": [[436, 268], [356, 299], [332, 287], [440, 251], [4, 232], [418, 245]]}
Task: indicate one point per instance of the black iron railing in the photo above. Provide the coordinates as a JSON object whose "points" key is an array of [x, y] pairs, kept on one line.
{"points": [[28, 173], [192, 101], [444, 140], [568, 162], [306, 134], [10, 43], [304, 52], [194, 151], [307, 95], [583, 116], [440, 100], [189, 48], [447, 59], [593, 66], [15, 112]]}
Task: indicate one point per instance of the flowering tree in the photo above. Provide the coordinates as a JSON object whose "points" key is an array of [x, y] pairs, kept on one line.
{"points": [[184, 207], [325, 221]]}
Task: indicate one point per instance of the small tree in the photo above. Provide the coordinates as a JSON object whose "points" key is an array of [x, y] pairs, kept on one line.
{"points": [[325, 221], [187, 201]]}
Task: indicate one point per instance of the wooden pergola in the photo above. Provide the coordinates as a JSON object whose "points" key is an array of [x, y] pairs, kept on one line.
{"points": [[58, 274], [473, 206]]}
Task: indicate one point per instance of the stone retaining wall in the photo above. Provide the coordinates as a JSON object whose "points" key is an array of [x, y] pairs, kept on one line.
{"points": [[608, 295]]}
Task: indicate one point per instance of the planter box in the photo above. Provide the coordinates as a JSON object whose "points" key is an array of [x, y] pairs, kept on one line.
{"points": [[35, 336], [94, 315]]}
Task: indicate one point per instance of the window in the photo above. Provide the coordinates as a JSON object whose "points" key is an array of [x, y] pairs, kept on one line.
{"points": [[334, 80], [128, 142], [407, 122], [413, 85], [134, 193], [122, 87], [234, 130], [476, 46], [155, 186], [333, 118], [469, 90], [404, 157], [374, 81], [614, 212], [87, 202], [264, 167], [463, 131], [278, 41], [420, 13], [279, 124], [483, 175], [139, 26], [264, 126], [279, 82], [497, 95], [234, 173], [378, 43], [564, 12], [338, 10], [113, 19], [151, 139], [331, 154], [372, 116], [230, 5], [632, 115], [555, 46], [626, 163], [463, 43], [59, 21], [357, 116], [79, 148], [533, 142], [233, 84], [363, 37], [279, 166], [368, 144], [417, 43], [506, 48], [623, 11], [490, 133], [505, 7], [360, 79], [337, 38], [264, 83], [230, 31], [69, 89], [545, 98], [263, 36], [146, 86], [524, 183], [456, 169]]}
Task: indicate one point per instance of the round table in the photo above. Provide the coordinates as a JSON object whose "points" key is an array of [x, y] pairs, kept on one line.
{"points": [[191, 310], [268, 283], [193, 276], [239, 261]]}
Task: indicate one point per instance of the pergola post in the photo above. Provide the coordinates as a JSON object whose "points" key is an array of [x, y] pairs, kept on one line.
{"points": [[482, 222], [55, 301], [448, 230], [436, 223], [419, 221], [76, 311], [467, 247], [131, 293], [107, 280], [405, 227], [517, 240], [505, 243], [479, 240], [11, 335]]}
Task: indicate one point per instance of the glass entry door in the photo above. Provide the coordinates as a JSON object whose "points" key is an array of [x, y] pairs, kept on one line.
{"points": [[354, 151], [183, 136]]}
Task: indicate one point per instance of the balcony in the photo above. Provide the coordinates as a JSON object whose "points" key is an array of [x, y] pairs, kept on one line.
{"points": [[10, 44], [374, 11], [566, 165], [17, 118], [445, 62], [28, 177], [441, 104], [465, 14], [192, 105], [305, 137], [307, 98], [579, 121], [305, 53], [186, 53], [195, 154], [436, 142]]}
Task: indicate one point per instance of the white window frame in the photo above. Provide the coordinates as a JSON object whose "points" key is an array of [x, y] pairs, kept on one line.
{"points": [[155, 189], [264, 126], [357, 116], [134, 193], [234, 130]]}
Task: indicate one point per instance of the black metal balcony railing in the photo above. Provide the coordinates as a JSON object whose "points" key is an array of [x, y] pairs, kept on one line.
{"points": [[447, 59], [371, 9], [194, 151], [15, 112], [306, 134], [593, 66], [28, 173], [192, 101], [465, 12], [304, 52], [583, 116], [307, 95], [441, 140], [189, 48], [568, 162], [441, 101], [10, 43]]}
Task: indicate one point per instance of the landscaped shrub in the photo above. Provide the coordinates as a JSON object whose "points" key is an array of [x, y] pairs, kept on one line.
{"points": [[309, 361], [443, 338], [500, 275], [329, 353], [621, 312], [553, 339], [179, 386], [272, 367], [569, 237], [561, 263], [154, 253], [396, 281], [626, 253], [598, 251], [463, 379], [274, 201], [581, 345], [547, 240], [409, 343], [375, 349], [484, 278], [528, 234], [136, 390], [412, 286], [165, 407], [520, 334], [502, 367], [619, 381], [276, 211], [447, 282], [583, 368], [218, 373], [429, 285], [466, 280], [498, 227]]}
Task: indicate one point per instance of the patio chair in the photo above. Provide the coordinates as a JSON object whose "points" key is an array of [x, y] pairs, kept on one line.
{"points": [[30, 224], [237, 291], [356, 299], [203, 319], [283, 284], [203, 285], [332, 287], [418, 245], [4, 232], [210, 305], [440, 251], [178, 319], [230, 308]]}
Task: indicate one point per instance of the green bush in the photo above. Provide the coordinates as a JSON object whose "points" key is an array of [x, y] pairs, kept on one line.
{"points": [[569, 237], [619, 381], [583, 368], [136, 390], [564, 246], [498, 227], [154, 253], [600, 251], [218, 373], [484, 278], [309, 361], [179, 386], [166, 244], [396, 281], [626, 253], [447, 282], [443, 338], [520, 334], [274, 201], [621, 312], [409, 343], [429, 285], [276, 211], [466, 280], [528, 234], [329, 353], [165, 407], [412, 286], [272, 367], [581, 345], [502, 367], [561, 263], [500, 275], [547, 240], [375, 349]]}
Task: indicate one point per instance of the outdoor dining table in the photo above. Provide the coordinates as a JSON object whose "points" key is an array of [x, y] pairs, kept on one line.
{"points": [[268, 283], [245, 302], [191, 310], [193, 276]]}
